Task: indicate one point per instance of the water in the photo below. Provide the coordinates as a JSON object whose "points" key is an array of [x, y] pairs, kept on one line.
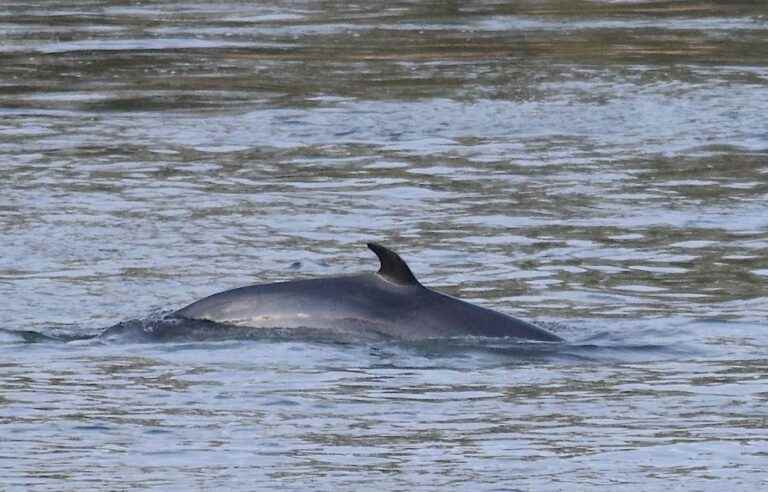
{"points": [[599, 167]]}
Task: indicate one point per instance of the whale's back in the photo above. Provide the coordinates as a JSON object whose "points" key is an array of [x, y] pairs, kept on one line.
{"points": [[356, 303]]}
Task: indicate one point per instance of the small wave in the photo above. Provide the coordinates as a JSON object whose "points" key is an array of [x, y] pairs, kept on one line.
{"points": [[602, 346], [524, 351], [25, 336], [162, 328]]}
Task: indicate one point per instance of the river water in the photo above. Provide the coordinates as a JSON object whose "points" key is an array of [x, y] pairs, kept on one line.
{"points": [[598, 167]]}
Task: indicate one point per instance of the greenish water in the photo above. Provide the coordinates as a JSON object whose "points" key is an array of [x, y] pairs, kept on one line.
{"points": [[600, 167]]}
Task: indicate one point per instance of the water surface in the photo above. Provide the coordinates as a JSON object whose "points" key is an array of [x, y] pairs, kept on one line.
{"points": [[599, 167]]}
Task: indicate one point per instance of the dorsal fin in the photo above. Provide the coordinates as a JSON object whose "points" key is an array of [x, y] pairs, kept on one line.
{"points": [[393, 268]]}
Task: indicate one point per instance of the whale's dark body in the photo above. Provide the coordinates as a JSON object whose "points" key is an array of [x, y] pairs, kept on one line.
{"points": [[389, 303]]}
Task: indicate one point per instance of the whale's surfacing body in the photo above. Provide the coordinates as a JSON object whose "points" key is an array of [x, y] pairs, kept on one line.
{"points": [[388, 303]]}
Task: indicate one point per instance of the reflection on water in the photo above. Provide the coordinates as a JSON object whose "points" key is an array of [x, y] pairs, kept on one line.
{"points": [[598, 164]]}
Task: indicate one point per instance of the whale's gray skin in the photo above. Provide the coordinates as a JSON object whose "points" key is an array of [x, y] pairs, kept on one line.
{"points": [[390, 303]]}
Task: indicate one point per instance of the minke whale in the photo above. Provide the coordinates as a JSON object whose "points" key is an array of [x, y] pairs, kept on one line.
{"points": [[389, 303]]}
